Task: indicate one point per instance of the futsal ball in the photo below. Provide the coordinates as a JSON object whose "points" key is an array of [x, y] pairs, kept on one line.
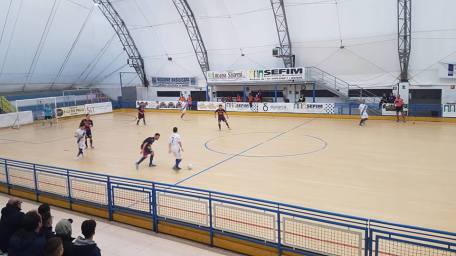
{"points": [[190, 166]]}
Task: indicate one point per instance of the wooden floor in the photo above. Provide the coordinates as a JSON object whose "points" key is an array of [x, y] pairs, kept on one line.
{"points": [[391, 171]]}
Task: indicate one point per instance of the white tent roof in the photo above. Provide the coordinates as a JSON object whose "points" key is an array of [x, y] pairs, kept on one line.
{"points": [[39, 43]]}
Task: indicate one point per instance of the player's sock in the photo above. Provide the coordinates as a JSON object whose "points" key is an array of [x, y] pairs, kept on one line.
{"points": [[137, 122], [227, 125], [220, 127], [140, 160], [91, 143], [150, 161]]}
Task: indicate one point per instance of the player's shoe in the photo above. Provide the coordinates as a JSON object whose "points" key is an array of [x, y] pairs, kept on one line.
{"points": [[137, 166], [152, 165]]}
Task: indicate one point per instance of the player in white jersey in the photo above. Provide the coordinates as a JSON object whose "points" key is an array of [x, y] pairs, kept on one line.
{"points": [[175, 147], [80, 139], [183, 108], [363, 113]]}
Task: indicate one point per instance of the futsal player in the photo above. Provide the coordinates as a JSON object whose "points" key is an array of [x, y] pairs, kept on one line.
{"points": [[80, 134], [48, 114], [146, 150], [183, 108], [363, 113], [175, 147], [88, 124], [141, 114], [221, 113], [399, 106]]}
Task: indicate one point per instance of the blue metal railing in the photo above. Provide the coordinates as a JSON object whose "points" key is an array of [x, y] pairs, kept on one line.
{"points": [[282, 226]]}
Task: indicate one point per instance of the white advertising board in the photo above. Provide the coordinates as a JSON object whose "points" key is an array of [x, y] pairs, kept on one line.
{"points": [[159, 104], [449, 110], [98, 108], [266, 107], [240, 107], [71, 111], [209, 105], [9, 119], [388, 109]]}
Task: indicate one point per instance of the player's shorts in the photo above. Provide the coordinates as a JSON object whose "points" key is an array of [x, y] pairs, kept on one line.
{"points": [[47, 117], [147, 152], [183, 110], [177, 153], [399, 109], [88, 133], [222, 119], [140, 115]]}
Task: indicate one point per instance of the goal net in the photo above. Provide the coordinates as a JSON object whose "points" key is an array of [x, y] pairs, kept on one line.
{"points": [[43, 109]]}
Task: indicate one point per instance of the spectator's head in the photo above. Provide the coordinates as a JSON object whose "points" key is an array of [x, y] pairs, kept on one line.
{"points": [[175, 129], [88, 228], [44, 208], [15, 202], [63, 227], [53, 247], [32, 221]]}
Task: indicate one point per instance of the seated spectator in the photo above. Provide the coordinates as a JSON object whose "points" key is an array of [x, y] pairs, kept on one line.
{"points": [[383, 100], [391, 98], [53, 247], [63, 231], [86, 246], [46, 219], [46, 229], [10, 222], [238, 98], [27, 241]]}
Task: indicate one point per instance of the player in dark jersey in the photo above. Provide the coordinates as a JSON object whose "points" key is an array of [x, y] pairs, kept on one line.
{"points": [[146, 149], [88, 124], [141, 114], [221, 113]]}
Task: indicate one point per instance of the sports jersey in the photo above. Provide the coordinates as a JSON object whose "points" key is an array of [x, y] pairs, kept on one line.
{"points": [[363, 111], [147, 144], [220, 112], [80, 134], [174, 140], [87, 123]]}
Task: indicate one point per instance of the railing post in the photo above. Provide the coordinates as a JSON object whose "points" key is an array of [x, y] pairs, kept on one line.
{"points": [[371, 241], [109, 190], [154, 209], [8, 185], [211, 228], [35, 180], [279, 233], [366, 243], [70, 199]]}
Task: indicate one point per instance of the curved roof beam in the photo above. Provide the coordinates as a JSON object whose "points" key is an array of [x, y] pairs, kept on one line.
{"points": [[135, 59], [186, 14], [280, 17]]}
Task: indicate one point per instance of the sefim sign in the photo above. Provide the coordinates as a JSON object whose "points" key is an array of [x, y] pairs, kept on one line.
{"points": [[277, 74]]}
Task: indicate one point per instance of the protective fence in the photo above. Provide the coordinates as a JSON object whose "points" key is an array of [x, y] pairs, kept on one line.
{"points": [[280, 226]]}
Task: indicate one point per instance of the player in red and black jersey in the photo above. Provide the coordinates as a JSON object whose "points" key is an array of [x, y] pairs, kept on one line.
{"points": [[146, 149], [88, 124], [221, 113], [141, 114]]}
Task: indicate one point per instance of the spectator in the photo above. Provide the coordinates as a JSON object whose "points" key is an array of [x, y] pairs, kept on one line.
{"points": [[63, 231], [383, 100], [27, 241], [54, 247], [46, 219], [302, 99], [238, 98], [229, 99], [86, 246], [10, 222], [189, 102], [391, 98], [250, 100]]}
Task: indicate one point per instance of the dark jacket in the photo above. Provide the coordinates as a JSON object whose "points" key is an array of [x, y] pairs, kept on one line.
{"points": [[26, 243], [67, 244], [10, 222], [46, 232], [85, 247]]}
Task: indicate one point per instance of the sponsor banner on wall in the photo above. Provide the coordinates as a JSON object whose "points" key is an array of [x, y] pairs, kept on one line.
{"points": [[278, 74], [71, 111], [388, 109], [241, 107], [314, 108], [159, 104], [226, 76], [209, 105], [98, 108], [449, 110], [447, 70], [173, 81]]}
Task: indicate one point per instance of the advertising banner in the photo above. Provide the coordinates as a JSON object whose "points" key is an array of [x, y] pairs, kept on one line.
{"points": [[98, 108], [209, 105], [241, 107], [159, 104], [280, 74], [71, 111], [267, 107], [449, 110], [447, 70], [388, 109], [314, 108], [173, 81], [226, 76]]}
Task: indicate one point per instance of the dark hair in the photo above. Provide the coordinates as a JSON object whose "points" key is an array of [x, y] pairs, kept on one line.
{"points": [[88, 228], [52, 246], [44, 208], [157, 134], [175, 129], [31, 221]]}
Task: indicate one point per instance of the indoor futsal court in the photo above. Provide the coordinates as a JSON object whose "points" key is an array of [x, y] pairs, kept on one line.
{"points": [[383, 172], [227, 127]]}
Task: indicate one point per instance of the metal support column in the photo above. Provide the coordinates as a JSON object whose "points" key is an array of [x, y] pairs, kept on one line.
{"points": [[275, 93], [280, 16], [135, 59], [404, 24], [313, 92], [186, 14]]}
